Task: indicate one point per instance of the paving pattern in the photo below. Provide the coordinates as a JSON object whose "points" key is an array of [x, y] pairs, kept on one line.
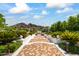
{"points": [[40, 46], [39, 38], [40, 49]]}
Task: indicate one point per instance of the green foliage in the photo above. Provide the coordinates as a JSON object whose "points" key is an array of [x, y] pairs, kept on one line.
{"points": [[72, 24], [3, 49], [71, 49], [7, 36], [71, 37], [2, 21], [64, 26], [59, 26], [22, 32], [14, 46], [9, 47], [54, 34]]}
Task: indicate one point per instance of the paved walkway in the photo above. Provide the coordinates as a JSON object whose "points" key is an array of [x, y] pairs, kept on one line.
{"points": [[38, 41], [25, 42]]}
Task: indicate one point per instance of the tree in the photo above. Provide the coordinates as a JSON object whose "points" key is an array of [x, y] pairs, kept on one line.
{"points": [[64, 26], [1, 15], [58, 26], [53, 28], [7, 36], [72, 24], [72, 21], [2, 21]]}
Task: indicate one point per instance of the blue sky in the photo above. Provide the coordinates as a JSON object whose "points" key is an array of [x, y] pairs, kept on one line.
{"points": [[43, 14]]}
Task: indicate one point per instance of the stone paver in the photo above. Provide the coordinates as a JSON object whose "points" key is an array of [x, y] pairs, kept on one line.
{"points": [[40, 46], [40, 49], [39, 38]]}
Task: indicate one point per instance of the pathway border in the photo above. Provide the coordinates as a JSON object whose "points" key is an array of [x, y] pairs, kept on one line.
{"points": [[28, 39], [61, 50], [25, 42]]}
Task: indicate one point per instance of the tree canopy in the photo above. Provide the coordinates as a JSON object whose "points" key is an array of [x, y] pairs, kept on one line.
{"points": [[2, 20], [72, 24]]}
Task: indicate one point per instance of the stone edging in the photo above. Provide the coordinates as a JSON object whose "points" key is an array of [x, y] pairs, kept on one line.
{"points": [[52, 44], [25, 42]]}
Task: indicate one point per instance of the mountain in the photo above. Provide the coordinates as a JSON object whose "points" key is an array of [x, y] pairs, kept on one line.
{"points": [[30, 26], [20, 25], [23, 25]]}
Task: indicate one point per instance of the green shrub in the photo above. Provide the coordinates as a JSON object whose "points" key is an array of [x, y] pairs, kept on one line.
{"points": [[22, 32], [14, 46], [3, 49], [30, 33], [71, 37], [9, 47], [71, 49], [7, 36], [54, 34]]}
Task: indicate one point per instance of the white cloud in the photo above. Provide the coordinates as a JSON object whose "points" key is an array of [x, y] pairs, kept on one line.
{"points": [[74, 14], [58, 5], [44, 12], [24, 17], [61, 7], [10, 20], [64, 10], [20, 7], [37, 16]]}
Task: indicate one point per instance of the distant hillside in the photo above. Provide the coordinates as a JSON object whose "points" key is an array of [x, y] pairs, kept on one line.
{"points": [[20, 25], [23, 25], [30, 26]]}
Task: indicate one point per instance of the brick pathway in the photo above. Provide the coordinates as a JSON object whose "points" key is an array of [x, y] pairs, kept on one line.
{"points": [[40, 46]]}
